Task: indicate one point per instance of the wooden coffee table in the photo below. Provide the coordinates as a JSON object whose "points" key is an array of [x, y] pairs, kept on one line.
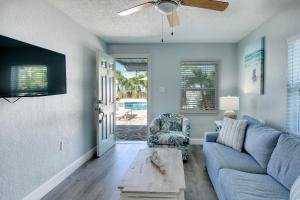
{"points": [[143, 181]]}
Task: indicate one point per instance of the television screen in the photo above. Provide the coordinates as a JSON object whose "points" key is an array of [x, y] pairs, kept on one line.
{"points": [[27, 70]]}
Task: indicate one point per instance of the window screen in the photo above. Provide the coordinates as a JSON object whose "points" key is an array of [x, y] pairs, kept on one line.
{"points": [[293, 98], [198, 87]]}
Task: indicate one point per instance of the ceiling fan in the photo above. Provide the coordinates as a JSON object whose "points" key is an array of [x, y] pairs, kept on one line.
{"points": [[169, 7]]}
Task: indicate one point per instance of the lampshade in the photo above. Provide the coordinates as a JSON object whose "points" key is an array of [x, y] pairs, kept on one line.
{"points": [[229, 103]]}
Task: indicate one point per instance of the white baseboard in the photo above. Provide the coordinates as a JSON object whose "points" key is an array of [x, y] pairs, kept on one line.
{"points": [[46, 187], [195, 141]]}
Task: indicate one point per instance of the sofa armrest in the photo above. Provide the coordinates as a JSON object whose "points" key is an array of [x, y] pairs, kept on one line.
{"points": [[211, 136], [154, 127]]}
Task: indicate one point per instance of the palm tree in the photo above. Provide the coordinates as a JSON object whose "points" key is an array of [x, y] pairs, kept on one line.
{"points": [[130, 85], [199, 79]]}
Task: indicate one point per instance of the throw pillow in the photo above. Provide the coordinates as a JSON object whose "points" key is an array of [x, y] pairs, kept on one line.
{"points": [[232, 133], [295, 190], [260, 141], [285, 160], [165, 124]]}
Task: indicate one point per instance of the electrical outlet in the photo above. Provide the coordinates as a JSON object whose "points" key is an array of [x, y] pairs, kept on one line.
{"points": [[61, 145]]}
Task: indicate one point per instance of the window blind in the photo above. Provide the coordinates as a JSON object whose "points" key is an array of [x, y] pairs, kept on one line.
{"points": [[198, 87], [293, 86]]}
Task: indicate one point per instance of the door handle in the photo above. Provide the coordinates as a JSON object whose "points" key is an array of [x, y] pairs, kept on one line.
{"points": [[101, 113], [102, 116]]}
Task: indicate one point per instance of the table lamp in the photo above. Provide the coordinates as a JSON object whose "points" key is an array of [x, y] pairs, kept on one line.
{"points": [[230, 104]]}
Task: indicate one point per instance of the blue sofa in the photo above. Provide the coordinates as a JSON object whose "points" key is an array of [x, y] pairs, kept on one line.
{"points": [[265, 169]]}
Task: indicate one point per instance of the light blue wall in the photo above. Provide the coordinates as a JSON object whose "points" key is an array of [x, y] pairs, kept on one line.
{"points": [[32, 128], [165, 62], [271, 107]]}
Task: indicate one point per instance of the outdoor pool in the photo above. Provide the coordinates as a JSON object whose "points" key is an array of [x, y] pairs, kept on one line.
{"points": [[136, 105]]}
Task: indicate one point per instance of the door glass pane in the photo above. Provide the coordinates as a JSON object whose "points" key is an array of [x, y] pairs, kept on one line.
{"points": [[102, 89], [106, 127], [105, 90], [113, 90], [112, 123], [110, 126], [109, 91], [101, 130]]}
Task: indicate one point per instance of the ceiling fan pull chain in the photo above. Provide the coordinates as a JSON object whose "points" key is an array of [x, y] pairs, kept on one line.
{"points": [[162, 29], [172, 33]]}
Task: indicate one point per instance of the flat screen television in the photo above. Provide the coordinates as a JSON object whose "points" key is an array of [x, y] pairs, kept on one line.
{"points": [[27, 70]]}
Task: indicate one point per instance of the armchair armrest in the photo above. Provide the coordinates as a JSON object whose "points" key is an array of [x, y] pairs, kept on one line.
{"points": [[211, 136], [186, 126], [154, 127]]}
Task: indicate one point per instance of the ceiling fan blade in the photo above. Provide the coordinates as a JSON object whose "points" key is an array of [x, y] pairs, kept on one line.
{"points": [[207, 4], [173, 19], [136, 8]]}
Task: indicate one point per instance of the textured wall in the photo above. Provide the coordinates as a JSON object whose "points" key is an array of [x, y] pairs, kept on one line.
{"points": [[271, 107], [31, 129], [165, 62]]}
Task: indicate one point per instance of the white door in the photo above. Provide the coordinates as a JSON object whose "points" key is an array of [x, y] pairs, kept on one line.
{"points": [[106, 103]]}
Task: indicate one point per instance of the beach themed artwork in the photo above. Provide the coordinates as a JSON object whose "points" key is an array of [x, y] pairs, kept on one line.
{"points": [[254, 61]]}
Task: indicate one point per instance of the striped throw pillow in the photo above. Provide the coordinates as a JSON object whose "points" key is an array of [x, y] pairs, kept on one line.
{"points": [[232, 133], [295, 190]]}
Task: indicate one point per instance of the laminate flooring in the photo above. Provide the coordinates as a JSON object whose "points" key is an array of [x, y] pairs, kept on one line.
{"points": [[98, 179]]}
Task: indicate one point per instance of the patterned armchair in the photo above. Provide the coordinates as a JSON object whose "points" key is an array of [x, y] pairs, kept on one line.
{"points": [[170, 130]]}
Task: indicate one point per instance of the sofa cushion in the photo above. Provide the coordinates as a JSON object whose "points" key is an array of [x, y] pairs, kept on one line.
{"points": [[251, 120], [260, 142], [220, 156], [232, 133], [237, 185], [214, 177], [295, 190], [176, 138], [285, 160]]}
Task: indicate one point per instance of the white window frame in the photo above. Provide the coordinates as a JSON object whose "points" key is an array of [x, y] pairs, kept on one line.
{"points": [[293, 85], [215, 111]]}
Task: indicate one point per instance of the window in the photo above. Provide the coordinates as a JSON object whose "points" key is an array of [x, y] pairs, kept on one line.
{"points": [[293, 94], [198, 87]]}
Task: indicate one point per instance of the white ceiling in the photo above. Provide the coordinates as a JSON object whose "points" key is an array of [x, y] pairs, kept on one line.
{"points": [[197, 25]]}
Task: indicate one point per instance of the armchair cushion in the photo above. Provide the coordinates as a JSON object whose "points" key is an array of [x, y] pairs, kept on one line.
{"points": [[175, 138], [171, 122], [165, 124]]}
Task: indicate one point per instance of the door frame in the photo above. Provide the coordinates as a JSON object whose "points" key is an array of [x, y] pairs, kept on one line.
{"points": [[149, 89]]}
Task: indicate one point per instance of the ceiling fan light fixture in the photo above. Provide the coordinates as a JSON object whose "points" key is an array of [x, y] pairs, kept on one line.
{"points": [[166, 7]]}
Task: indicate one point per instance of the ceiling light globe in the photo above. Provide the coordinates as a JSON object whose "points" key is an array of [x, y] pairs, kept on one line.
{"points": [[166, 7]]}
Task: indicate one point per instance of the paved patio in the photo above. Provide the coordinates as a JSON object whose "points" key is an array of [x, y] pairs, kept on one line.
{"points": [[133, 127], [131, 132]]}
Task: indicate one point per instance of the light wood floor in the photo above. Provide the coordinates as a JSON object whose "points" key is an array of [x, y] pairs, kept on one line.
{"points": [[98, 178]]}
